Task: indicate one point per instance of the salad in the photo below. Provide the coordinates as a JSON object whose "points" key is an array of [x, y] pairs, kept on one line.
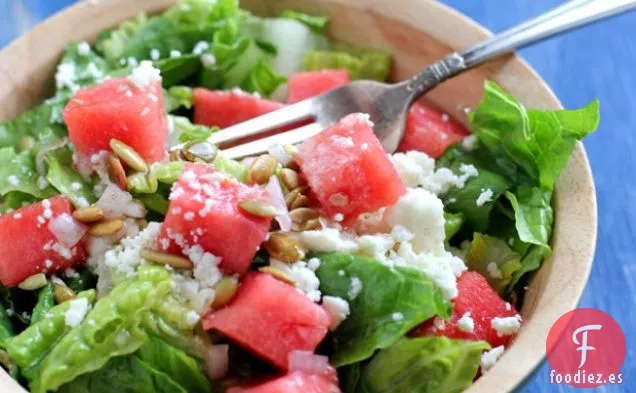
{"points": [[324, 267]]}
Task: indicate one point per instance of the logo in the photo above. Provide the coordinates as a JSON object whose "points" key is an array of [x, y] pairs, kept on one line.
{"points": [[586, 348]]}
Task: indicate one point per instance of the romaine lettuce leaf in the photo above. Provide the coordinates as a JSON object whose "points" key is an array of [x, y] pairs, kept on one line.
{"points": [[452, 224], [531, 261], [316, 23], [112, 328], [262, 79], [487, 250], [423, 365], [231, 167], [361, 64], [183, 130], [84, 69], [6, 327], [18, 173], [30, 347], [169, 172], [45, 303], [178, 97], [65, 179], [14, 200], [43, 123], [540, 142], [533, 214], [391, 302]]}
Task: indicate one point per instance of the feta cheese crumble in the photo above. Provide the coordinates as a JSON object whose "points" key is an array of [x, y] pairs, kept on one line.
{"points": [[76, 312], [466, 323], [155, 54], [305, 278], [83, 48], [65, 76], [485, 197], [493, 271], [397, 316], [337, 308], [355, 288], [489, 358], [200, 48], [327, 240], [506, 326], [14, 180], [144, 75]]}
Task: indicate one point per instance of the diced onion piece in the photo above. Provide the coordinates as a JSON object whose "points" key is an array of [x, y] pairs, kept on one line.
{"points": [[114, 202], [309, 362], [217, 361], [280, 153], [278, 201], [67, 230]]}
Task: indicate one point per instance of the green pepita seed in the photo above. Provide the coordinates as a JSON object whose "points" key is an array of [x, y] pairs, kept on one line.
{"points": [[128, 155], [289, 178], [303, 214], [258, 208], [199, 152], [88, 214], [62, 293], [224, 291], [162, 258], [292, 152], [106, 228], [26, 143], [300, 201], [312, 225], [261, 169], [34, 282], [284, 247], [116, 172], [277, 274]]}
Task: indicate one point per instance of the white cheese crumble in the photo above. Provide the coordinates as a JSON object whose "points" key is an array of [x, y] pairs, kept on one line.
{"points": [[327, 240], [337, 308], [489, 358], [466, 323], [192, 318], [155, 54], [506, 326], [65, 76], [144, 75], [83, 48], [355, 288], [125, 258], [493, 270], [470, 143], [208, 60], [76, 312], [76, 186], [175, 54], [14, 180], [313, 264], [305, 278], [397, 316], [17, 216], [200, 48], [485, 197]]}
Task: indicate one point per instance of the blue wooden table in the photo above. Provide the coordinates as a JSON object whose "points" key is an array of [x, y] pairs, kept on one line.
{"points": [[599, 61]]}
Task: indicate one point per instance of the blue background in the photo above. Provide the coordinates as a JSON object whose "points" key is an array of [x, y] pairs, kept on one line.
{"points": [[598, 61]]}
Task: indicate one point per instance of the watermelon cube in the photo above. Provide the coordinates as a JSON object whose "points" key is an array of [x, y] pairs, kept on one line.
{"points": [[430, 131], [226, 108], [303, 85], [295, 382], [348, 171], [271, 319], [28, 247], [118, 109], [204, 211], [477, 297]]}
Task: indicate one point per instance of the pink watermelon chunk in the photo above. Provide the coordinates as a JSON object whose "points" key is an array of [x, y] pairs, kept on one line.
{"points": [[28, 247], [295, 382], [303, 85], [121, 110], [270, 319], [431, 131], [226, 108], [204, 211], [348, 171]]}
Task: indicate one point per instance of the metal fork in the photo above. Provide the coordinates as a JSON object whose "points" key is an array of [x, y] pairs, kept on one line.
{"points": [[387, 104]]}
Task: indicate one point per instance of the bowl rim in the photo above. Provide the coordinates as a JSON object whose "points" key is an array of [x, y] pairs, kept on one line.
{"points": [[506, 375]]}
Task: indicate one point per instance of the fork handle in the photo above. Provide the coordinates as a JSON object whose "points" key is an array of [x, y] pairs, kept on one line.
{"points": [[573, 14]]}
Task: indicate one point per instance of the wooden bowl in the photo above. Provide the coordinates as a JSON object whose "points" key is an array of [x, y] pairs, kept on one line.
{"points": [[417, 32]]}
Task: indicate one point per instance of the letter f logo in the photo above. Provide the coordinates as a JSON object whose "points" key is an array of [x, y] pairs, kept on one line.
{"points": [[583, 344]]}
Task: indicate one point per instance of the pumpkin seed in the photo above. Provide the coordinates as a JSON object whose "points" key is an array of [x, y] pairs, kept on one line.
{"points": [[162, 258], [292, 152], [34, 282], [277, 274], [26, 143], [62, 293], [261, 169], [88, 214], [303, 214], [106, 228], [224, 291], [290, 197], [143, 183], [199, 152], [339, 199], [258, 208], [312, 225], [175, 155], [284, 247], [116, 172], [300, 201], [289, 178], [128, 155]]}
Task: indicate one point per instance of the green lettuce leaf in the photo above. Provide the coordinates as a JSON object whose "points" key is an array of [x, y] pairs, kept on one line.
{"points": [[42, 123], [168, 173], [262, 79], [452, 224], [531, 261], [540, 142], [66, 180], [18, 173], [88, 69], [231, 167], [486, 250], [423, 365], [45, 303], [14, 200], [185, 131], [315, 23], [392, 302], [361, 64], [83, 280], [533, 214], [6, 327], [142, 183], [178, 69], [112, 328], [30, 347], [178, 97], [155, 202]]}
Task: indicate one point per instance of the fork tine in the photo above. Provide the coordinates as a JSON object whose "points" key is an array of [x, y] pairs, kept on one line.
{"points": [[260, 146], [269, 121]]}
